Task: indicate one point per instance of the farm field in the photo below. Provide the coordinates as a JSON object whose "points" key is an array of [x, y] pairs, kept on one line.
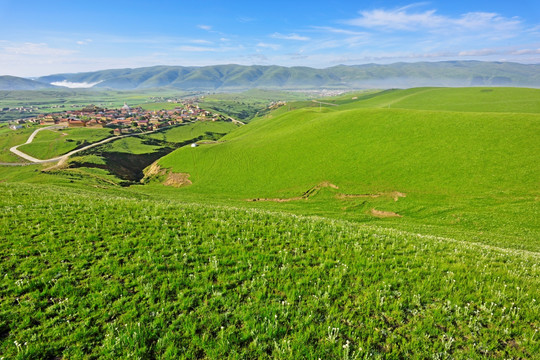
{"points": [[397, 224]]}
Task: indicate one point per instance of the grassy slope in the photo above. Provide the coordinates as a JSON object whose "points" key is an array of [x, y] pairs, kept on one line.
{"points": [[51, 143], [10, 138], [133, 277], [192, 131], [469, 172]]}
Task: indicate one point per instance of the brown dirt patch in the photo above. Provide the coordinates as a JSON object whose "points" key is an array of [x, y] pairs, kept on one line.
{"points": [[394, 195], [177, 180], [356, 196], [383, 214], [306, 195], [154, 170]]}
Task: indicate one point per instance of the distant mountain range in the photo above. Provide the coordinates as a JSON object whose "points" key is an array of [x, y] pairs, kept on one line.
{"points": [[238, 77], [17, 83]]}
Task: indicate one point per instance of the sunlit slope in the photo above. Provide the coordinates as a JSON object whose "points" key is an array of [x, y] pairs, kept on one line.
{"points": [[370, 150], [473, 99]]}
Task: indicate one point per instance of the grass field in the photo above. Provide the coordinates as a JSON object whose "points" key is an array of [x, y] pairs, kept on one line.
{"points": [[248, 104], [10, 138], [181, 134], [136, 277], [398, 224], [51, 143], [467, 174]]}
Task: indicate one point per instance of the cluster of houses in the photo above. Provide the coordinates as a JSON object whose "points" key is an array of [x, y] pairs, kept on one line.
{"points": [[126, 119]]}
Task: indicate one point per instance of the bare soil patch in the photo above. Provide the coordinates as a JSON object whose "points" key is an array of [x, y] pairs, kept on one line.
{"points": [[394, 195], [177, 179], [305, 196], [383, 214]]}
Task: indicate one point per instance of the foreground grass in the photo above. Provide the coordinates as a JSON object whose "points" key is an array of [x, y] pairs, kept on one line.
{"points": [[115, 275]]}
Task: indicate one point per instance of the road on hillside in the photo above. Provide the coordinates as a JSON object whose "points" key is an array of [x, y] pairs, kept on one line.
{"points": [[64, 157]]}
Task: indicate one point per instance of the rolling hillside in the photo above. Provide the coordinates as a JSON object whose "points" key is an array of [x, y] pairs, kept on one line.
{"points": [[225, 262], [237, 77], [458, 168], [16, 83]]}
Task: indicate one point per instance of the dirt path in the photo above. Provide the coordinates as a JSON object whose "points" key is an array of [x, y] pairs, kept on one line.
{"points": [[64, 157]]}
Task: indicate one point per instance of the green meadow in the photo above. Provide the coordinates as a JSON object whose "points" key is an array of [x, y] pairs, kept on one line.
{"points": [[378, 224], [52, 143], [467, 174]]}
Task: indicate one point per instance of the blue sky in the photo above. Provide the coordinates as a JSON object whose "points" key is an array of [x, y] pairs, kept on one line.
{"points": [[46, 37]]}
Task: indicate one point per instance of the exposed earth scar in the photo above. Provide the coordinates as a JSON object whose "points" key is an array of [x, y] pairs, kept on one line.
{"points": [[306, 195]]}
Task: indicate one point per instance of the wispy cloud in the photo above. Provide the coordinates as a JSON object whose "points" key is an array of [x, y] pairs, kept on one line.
{"points": [[188, 48], [84, 42], [245, 19], [479, 52], [333, 30], [269, 46], [37, 49], [200, 41], [526, 52], [205, 27], [404, 20], [289, 37]]}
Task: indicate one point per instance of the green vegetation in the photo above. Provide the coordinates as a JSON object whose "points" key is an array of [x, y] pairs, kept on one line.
{"points": [[102, 274], [10, 138], [237, 77], [52, 143], [468, 175], [385, 227], [246, 105], [196, 130]]}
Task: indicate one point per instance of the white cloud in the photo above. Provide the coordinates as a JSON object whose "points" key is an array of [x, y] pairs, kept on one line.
{"points": [[269, 46], [188, 48], [205, 27], [37, 49], [200, 41], [333, 30], [75, 85], [289, 37], [402, 19], [526, 52], [480, 52], [84, 42]]}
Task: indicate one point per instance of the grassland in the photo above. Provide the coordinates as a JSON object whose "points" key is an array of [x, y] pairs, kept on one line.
{"points": [[88, 274], [248, 104], [465, 174], [10, 138], [383, 228], [52, 143]]}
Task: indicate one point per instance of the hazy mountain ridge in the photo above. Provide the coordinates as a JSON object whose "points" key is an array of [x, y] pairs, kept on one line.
{"points": [[239, 77], [17, 83]]}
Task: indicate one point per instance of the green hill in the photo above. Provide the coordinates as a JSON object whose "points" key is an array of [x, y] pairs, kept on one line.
{"points": [[463, 171], [104, 273], [17, 83], [91, 269], [238, 77]]}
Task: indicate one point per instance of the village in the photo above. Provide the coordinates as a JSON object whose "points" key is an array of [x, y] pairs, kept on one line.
{"points": [[124, 120]]}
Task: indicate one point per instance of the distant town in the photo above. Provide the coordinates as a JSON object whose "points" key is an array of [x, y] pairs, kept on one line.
{"points": [[126, 119]]}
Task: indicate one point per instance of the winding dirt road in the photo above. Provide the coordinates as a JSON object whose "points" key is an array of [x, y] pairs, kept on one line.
{"points": [[64, 157]]}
